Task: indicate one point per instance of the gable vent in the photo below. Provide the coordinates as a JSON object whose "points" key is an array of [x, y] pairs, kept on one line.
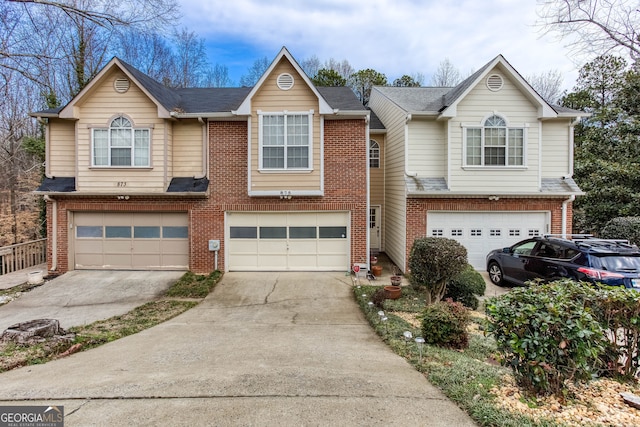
{"points": [[285, 81], [121, 85], [494, 82]]}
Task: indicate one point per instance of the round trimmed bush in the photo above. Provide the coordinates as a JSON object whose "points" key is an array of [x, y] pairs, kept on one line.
{"points": [[445, 324], [465, 286]]}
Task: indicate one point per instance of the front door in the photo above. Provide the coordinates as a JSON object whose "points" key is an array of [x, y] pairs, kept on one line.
{"points": [[374, 227]]}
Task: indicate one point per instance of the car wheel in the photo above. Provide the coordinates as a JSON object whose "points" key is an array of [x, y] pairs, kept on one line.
{"points": [[495, 274]]}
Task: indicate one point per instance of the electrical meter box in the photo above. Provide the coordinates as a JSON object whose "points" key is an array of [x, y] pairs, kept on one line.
{"points": [[214, 245]]}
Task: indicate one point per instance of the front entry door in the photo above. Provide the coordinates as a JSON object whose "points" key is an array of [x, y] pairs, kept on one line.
{"points": [[374, 227]]}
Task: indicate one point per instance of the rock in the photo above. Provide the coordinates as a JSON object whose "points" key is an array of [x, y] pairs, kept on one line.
{"points": [[34, 331], [631, 399]]}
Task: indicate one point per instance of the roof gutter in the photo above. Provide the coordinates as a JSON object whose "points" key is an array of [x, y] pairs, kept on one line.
{"points": [[203, 115]]}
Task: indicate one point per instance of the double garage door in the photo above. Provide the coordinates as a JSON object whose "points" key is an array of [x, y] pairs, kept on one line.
{"points": [[481, 232], [293, 241], [131, 241]]}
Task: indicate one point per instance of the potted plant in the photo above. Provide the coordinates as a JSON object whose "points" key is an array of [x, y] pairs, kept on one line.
{"points": [[396, 279]]}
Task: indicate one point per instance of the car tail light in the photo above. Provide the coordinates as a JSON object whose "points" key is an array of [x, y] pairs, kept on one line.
{"points": [[599, 274]]}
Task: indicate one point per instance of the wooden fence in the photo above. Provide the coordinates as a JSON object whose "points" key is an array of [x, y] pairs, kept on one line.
{"points": [[22, 255]]}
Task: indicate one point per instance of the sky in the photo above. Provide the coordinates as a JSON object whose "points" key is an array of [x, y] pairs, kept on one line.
{"points": [[394, 37]]}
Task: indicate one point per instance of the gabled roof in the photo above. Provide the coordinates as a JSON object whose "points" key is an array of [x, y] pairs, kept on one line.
{"points": [[245, 107], [209, 102], [443, 101]]}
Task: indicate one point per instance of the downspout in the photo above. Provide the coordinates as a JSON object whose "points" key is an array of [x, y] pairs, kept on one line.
{"points": [[54, 232], [406, 147], [565, 205], [368, 208], [205, 149]]}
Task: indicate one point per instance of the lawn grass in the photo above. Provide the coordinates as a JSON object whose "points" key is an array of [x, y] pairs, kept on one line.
{"points": [[466, 377], [186, 293]]}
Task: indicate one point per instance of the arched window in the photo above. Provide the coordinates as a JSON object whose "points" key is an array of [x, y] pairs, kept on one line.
{"points": [[374, 154], [494, 144], [121, 145]]}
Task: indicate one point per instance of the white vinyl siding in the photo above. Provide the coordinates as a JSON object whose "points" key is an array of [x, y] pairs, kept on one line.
{"points": [[479, 104], [395, 201], [555, 149], [61, 148]]}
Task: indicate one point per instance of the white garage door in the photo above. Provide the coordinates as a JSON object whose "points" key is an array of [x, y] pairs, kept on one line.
{"points": [[300, 241], [131, 241], [481, 232]]}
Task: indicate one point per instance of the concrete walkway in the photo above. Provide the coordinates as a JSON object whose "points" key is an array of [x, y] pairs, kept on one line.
{"points": [[263, 349]]}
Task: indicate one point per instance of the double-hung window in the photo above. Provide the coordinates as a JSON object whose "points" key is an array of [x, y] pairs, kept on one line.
{"points": [[285, 141], [495, 144], [121, 145]]}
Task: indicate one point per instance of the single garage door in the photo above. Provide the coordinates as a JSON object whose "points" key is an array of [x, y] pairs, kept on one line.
{"points": [[293, 241], [131, 241], [481, 232]]}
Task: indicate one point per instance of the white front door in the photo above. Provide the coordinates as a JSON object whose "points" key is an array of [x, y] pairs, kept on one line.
{"points": [[374, 227]]}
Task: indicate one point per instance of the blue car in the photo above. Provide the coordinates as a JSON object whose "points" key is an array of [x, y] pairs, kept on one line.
{"points": [[584, 258]]}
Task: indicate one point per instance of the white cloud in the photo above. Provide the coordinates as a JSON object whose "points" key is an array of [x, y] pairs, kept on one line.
{"points": [[392, 36]]}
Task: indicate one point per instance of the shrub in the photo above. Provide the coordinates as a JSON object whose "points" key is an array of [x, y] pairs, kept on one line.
{"points": [[627, 227], [547, 334], [445, 324], [465, 286], [618, 309], [433, 261], [378, 298]]}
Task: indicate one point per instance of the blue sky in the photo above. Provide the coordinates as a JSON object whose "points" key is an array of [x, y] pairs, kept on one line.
{"points": [[394, 37]]}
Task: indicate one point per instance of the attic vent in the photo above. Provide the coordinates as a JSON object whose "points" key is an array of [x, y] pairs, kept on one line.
{"points": [[494, 82], [285, 81], [121, 85]]}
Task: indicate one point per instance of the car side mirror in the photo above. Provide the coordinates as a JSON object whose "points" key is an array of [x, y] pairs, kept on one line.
{"points": [[506, 250]]}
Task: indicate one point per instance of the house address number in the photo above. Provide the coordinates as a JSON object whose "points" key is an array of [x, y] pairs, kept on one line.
{"points": [[121, 184]]}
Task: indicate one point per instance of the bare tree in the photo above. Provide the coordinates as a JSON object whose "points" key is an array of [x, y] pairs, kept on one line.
{"points": [[255, 72], [343, 67], [19, 168], [311, 65], [190, 60], [593, 27], [548, 85], [447, 75], [148, 52], [218, 76]]}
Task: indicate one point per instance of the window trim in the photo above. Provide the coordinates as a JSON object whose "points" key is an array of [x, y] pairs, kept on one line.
{"points": [[285, 113], [131, 147], [482, 126]]}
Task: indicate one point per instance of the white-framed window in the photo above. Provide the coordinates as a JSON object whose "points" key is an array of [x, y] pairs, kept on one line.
{"points": [[374, 154], [121, 145], [494, 144], [285, 141]]}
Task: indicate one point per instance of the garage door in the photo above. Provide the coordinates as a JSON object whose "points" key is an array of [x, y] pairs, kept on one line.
{"points": [[131, 241], [481, 232], [300, 241]]}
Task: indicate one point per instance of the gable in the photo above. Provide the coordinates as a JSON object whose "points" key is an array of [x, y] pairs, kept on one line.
{"points": [[271, 97]]}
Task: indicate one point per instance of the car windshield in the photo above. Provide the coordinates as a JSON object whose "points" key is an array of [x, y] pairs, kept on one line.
{"points": [[627, 263]]}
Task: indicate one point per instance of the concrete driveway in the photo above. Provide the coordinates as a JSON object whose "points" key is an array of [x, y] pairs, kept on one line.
{"points": [[262, 349], [83, 296]]}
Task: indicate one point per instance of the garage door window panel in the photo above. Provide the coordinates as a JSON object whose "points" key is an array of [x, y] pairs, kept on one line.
{"points": [[302, 232], [273, 232], [175, 232], [243, 232], [117, 232], [333, 232], [146, 232], [494, 144], [89, 231]]}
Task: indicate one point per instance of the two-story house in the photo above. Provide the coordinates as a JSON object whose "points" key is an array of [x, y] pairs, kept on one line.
{"points": [[487, 163], [141, 176]]}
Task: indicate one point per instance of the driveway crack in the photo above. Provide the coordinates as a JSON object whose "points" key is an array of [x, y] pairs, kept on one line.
{"points": [[266, 298]]}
